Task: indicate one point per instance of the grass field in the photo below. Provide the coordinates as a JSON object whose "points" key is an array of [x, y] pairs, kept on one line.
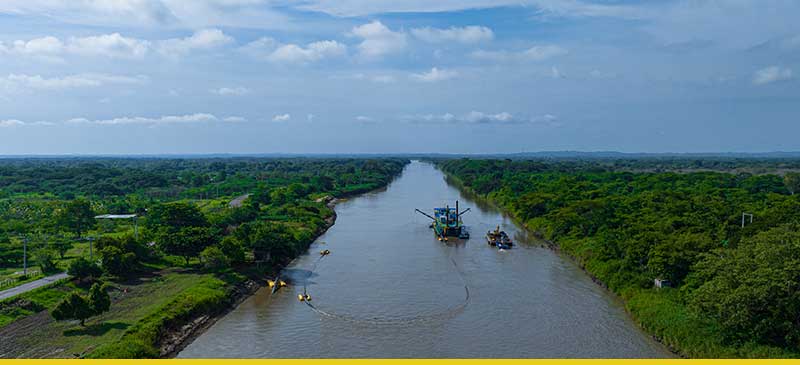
{"points": [[33, 333]]}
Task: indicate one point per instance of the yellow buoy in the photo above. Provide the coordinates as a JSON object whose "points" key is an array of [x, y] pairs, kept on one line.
{"points": [[270, 283], [308, 298], [282, 283], [300, 297], [325, 252]]}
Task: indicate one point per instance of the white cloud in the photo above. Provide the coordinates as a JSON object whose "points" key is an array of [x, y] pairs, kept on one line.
{"points": [[114, 45], [476, 117], [201, 40], [467, 35], [234, 119], [281, 117], [292, 53], [535, 53], [170, 119], [772, 74], [14, 83], [109, 45], [378, 40], [11, 123], [271, 50], [231, 91], [191, 14], [364, 118], [435, 75]]}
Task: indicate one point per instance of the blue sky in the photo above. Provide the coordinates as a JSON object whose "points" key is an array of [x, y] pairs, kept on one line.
{"points": [[379, 76]]}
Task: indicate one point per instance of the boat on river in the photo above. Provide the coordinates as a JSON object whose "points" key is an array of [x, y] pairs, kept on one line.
{"points": [[446, 222], [499, 239]]}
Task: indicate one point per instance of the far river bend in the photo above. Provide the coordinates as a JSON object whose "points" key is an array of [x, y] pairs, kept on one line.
{"points": [[390, 289]]}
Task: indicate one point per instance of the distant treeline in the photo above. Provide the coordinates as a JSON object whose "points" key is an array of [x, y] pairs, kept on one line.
{"points": [[736, 290]]}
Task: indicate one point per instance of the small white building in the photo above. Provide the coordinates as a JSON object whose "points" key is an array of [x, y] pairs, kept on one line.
{"points": [[662, 283]]}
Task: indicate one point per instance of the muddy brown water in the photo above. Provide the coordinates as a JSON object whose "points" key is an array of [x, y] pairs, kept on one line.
{"points": [[390, 289]]}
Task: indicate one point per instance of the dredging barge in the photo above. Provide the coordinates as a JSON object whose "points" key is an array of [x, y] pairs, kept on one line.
{"points": [[447, 222]]}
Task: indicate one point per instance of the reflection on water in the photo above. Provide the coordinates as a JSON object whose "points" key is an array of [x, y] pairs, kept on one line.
{"points": [[389, 289]]}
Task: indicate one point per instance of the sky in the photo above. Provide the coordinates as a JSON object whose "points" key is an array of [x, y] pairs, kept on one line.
{"points": [[381, 76]]}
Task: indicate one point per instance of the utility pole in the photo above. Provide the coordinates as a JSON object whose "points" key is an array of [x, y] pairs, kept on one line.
{"points": [[747, 215], [91, 251], [25, 256]]}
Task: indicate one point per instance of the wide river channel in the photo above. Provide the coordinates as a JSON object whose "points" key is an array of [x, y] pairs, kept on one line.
{"points": [[390, 289]]}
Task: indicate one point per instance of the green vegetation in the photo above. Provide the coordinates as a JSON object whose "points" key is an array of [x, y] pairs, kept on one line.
{"points": [[76, 306], [188, 235], [734, 290]]}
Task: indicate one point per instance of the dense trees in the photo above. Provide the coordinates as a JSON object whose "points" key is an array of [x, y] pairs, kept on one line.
{"points": [[629, 227], [77, 216], [76, 306]]}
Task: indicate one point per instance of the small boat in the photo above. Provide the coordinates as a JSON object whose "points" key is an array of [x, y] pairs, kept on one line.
{"points": [[499, 239]]}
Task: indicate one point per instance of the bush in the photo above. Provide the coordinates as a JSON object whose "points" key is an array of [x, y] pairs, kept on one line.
{"points": [[76, 306], [116, 262], [233, 249], [99, 300], [83, 268], [214, 258], [46, 260]]}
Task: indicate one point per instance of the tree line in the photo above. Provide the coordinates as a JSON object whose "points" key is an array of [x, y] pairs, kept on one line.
{"points": [[629, 228]]}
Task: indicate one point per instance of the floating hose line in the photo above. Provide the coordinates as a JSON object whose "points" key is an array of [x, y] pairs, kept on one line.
{"points": [[391, 320]]}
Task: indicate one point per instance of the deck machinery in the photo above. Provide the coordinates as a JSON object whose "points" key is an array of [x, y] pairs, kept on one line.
{"points": [[447, 222]]}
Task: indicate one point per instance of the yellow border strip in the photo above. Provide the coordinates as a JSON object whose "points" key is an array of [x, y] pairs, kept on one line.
{"points": [[406, 361]]}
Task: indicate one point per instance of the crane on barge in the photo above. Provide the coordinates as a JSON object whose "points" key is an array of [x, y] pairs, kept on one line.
{"points": [[447, 222]]}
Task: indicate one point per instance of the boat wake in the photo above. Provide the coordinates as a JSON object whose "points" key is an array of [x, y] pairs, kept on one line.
{"points": [[391, 320]]}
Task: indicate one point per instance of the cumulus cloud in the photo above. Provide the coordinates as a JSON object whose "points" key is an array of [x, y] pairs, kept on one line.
{"points": [[281, 117], [476, 117], [378, 40], [231, 91], [234, 119], [535, 53], [114, 45], [109, 45], [14, 83], [271, 50], [315, 51], [435, 75], [772, 74], [170, 119], [204, 39], [466, 35]]}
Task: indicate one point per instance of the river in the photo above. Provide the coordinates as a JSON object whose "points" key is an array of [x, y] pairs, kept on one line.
{"points": [[390, 289]]}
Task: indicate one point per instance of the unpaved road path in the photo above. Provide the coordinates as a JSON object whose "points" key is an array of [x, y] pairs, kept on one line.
{"points": [[236, 203]]}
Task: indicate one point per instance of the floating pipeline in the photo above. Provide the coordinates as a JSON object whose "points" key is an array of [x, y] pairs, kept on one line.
{"points": [[388, 320]]}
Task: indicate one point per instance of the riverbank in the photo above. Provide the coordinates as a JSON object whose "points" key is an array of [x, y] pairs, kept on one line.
{"points": [[178, 337], [456, 182], [661, 313]]}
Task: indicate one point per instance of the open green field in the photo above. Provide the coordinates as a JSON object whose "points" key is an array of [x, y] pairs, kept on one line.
{"points": [[38, 335]]}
